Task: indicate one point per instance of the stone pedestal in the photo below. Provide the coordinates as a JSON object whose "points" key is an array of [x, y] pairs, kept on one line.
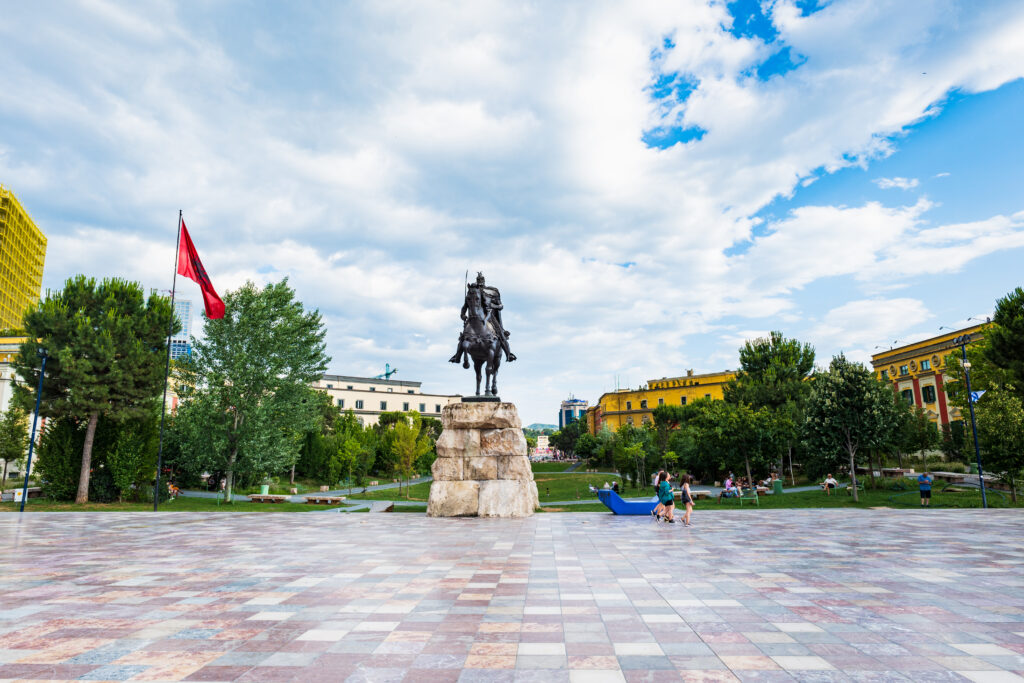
{"points": [[482, 468]]}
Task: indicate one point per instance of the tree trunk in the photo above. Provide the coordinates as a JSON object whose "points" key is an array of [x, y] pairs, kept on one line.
{"points": [[871, 467], [229, 476], [3, 479], [792, 477], [750, 480], [899, 459], [292, 480], [1013, 488], [853, 473], [83, 477]]}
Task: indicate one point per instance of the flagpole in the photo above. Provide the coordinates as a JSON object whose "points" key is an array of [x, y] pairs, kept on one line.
{"points": [[167, 373]]}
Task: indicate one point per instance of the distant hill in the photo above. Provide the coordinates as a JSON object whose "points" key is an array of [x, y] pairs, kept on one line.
{"points": [[537, 426]]}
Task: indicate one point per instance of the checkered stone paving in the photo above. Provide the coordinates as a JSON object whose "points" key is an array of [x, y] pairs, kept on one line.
{"points": [[773, 595]]}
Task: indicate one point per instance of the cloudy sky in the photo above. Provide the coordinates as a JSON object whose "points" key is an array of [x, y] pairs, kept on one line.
{"points": [[649, 183]]}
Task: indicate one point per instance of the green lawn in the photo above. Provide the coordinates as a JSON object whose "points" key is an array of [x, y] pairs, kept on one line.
{"points": [[551, 486], [179, 504], [966, 498], [550, 466]]}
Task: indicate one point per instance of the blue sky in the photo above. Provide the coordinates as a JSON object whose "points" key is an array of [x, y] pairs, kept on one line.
{"points": [[649, 184]]}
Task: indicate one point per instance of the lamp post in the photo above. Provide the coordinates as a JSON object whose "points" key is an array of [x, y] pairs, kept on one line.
{"points": [[962, 341], [35, 418]]}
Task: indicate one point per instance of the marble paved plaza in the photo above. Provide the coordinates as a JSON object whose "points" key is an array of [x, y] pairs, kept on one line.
{"points": [[778, 595]]}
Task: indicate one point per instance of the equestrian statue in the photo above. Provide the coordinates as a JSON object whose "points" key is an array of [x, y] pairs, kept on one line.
{"points": [[483, 335]]}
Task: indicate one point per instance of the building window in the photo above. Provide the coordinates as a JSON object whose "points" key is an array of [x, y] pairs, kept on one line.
{"points": [[707, 395], [423, 407], [330, 386], [409, 391], [437, 408], [908, 396], [904, 370], [643, 403], [682, 401], [373, 388], [349, 386], [629, 405], [629, 420], [405, 407], [359, 405], [341, 403], [661, 401], [926, 365], [383, 405], [645, 419], [928, 394], [390, 390], [885, 374]]}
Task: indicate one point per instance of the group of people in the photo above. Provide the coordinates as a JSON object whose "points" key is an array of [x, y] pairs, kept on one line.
{"points": [[665, 509], [733, 487]]}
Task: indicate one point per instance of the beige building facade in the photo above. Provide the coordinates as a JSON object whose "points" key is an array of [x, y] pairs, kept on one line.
{"points": [[368, 397]]}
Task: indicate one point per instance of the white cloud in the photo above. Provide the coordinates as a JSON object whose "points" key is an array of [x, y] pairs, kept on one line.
{"points": [[901, 183], [374, 152]]}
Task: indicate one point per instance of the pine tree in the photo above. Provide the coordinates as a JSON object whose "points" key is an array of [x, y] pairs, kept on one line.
{"points": [[106, 348]]}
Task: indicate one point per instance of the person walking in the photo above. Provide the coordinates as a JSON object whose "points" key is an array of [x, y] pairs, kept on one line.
{"points": [[687, 498], [666, 500], [924, 485]]}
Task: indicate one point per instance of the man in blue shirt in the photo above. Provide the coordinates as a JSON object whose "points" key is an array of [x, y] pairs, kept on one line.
{"points": [[924, 483]]}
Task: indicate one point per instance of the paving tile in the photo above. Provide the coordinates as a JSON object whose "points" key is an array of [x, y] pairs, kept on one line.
{"points": [[554, 598]]}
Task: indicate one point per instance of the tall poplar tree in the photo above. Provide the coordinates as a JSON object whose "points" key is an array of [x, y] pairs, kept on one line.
{"points": [[245, 397], [106, 345]]}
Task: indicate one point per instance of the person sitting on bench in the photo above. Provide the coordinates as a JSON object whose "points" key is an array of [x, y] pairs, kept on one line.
{"points": [[829, 484], [730, 490]]}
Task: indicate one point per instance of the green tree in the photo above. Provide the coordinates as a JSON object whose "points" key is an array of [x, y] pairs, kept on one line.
{"points": [[565, 438], [13, 439], [106, 344], [922, 433], [773, 374], [773, 371], [847, 414], [1005, 338], [410, 444], [1000, 418], [954, 441], [245, 396]]}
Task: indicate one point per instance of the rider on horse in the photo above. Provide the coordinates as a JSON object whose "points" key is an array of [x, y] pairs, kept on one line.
{"points": [[490, 299]]}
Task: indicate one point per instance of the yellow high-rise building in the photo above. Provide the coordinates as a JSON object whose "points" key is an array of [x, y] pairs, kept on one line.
{"points": [[636, 406], [22, 252]]}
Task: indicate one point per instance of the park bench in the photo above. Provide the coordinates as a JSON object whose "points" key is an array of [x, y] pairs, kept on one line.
{"points": [[750, 495], [849, 488], [267, 498], [700, 495], [324, 500]]}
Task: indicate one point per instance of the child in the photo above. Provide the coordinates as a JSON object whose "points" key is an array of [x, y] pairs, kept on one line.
{"points": [[687, 499]]}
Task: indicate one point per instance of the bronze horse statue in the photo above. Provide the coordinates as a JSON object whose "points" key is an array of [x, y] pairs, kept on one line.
{"points": [[479, 340], [483, 335]]}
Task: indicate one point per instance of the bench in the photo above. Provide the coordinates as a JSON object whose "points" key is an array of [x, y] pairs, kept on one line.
{"points": [[700, 495], [267, 498], [750, 495], [324, 500]]}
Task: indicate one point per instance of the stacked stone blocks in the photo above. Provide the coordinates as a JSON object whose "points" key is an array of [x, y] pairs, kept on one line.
{"points": [[482, 468]]}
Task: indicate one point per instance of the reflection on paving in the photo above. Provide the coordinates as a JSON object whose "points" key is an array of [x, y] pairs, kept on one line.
{"points": [[805, 595]]}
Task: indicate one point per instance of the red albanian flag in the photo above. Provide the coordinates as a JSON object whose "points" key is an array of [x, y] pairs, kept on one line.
{"points": [[191, 267]]}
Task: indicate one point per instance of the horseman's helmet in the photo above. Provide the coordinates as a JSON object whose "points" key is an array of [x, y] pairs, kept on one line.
{"points": [[479, 278]]}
